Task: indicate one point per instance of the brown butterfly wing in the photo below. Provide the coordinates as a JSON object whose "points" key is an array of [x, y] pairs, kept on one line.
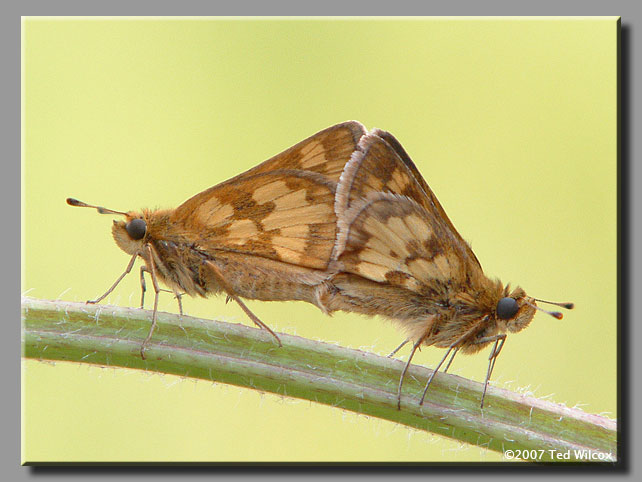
{"points": [[281, 209], [403, 155], [391, 226]]}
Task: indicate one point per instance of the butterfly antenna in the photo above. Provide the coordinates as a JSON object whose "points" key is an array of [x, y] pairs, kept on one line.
{"points": [[568, 306], [554, 314], [75, 202]]}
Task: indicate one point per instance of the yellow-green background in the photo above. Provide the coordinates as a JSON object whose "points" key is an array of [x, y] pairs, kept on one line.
{"points": [[512, 123]]}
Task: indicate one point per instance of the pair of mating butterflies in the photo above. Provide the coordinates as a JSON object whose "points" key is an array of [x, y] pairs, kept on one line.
{"points": [[342, 220]]}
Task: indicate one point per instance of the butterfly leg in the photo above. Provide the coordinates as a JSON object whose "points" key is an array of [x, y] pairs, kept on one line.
{"points": [[179, 297], [157, 291], [405, 368], [451, 359], [120, 278], [497, 348], [223, 284], [398, 348], [434, 372], [143, 287], [453, 346]]}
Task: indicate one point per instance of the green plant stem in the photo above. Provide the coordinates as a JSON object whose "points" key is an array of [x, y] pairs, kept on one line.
{"points": [[345, 378]]}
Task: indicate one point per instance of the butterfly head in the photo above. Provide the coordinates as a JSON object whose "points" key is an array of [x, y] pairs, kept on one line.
{"points": [[130, 234], [515, 310]]}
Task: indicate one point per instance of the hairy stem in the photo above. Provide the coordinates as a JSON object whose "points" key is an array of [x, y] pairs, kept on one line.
{"points": [[341, 377]]}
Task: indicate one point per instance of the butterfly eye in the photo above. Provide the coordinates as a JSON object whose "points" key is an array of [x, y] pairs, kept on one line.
{"points": [[507, 308], [136, 228]]}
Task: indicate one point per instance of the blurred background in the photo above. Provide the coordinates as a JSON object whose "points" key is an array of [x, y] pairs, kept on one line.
{"points": [[511, 122]]}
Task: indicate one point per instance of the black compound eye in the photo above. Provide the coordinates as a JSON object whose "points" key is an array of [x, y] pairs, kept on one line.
{"points": [[507, 308], [136, 228]]}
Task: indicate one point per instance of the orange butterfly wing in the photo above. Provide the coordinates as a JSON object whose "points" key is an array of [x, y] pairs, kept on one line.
{"points": [[391, 226], [281, 209]]}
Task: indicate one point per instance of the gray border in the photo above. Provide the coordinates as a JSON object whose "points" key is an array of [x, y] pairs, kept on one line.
{"points": [[631, 177]]}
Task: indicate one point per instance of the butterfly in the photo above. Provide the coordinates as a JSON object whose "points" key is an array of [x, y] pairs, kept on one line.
{"points": [[398, 255], [266, 234]]}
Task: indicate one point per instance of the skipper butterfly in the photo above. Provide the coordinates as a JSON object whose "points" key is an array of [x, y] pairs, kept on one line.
{"points": [[266, 234], [398, 255]]}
